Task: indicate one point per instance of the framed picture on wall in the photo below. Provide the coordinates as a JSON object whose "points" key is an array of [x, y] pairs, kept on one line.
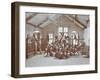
{"points": [[53, 39]]}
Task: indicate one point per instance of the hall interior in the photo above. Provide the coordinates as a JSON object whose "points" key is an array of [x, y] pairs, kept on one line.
{"points": [[61, 39]]}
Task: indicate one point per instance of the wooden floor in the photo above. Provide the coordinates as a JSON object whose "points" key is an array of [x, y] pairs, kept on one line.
{"points": [[41, 60]]}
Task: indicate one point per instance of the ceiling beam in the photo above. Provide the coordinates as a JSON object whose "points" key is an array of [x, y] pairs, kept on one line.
{"points": [[53, 21], [43, 22], [76, 21], [75, 16], [31, 16], [38, 25], [34, 25]]}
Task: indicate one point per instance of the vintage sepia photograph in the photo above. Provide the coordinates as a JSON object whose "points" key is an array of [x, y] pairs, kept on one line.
{"points": [[54, 39]]}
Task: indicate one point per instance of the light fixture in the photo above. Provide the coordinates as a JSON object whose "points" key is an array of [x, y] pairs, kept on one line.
{"points": [[36, 30]]}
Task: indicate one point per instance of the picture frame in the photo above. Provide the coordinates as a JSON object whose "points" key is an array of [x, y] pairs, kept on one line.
{"points": [[18, 11]]}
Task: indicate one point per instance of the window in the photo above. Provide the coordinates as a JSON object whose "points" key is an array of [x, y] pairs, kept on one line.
{"points": [[50, 38], [63, 29], [60, 29], [50, 35]]}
